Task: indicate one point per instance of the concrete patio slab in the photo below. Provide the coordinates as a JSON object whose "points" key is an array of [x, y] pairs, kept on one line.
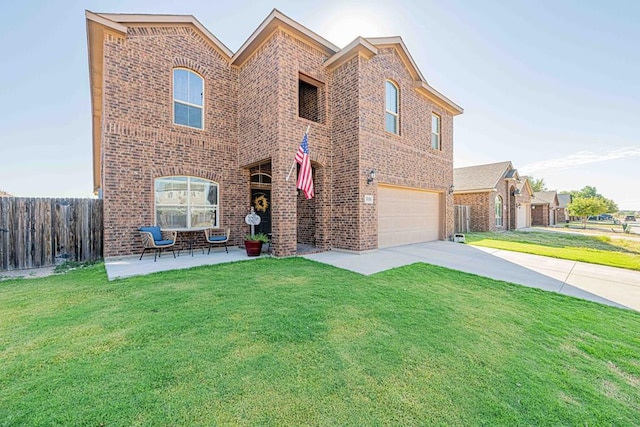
{"points": [[120, 268]]}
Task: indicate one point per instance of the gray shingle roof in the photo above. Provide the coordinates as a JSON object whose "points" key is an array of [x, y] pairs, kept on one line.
{"points": [[480, 177], [543, 197], [564, 200]]}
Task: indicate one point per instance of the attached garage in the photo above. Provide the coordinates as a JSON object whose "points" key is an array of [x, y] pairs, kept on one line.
{"points": [[408, 215]]}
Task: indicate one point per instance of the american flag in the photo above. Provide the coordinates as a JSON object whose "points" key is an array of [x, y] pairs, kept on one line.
{"points": [[305, 179]]}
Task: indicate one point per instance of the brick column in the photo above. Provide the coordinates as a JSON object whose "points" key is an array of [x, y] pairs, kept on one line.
{"points": [[283, 207]]}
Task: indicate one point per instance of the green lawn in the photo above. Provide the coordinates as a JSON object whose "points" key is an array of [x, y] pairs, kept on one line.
{"points": [[293, 342], [602, 250]]}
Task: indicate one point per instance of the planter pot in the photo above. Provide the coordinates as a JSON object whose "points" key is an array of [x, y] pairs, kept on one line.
{"points": [[253, 247]]}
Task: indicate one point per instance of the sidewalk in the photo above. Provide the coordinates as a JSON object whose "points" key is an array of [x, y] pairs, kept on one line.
{"points": [[615, 284]]}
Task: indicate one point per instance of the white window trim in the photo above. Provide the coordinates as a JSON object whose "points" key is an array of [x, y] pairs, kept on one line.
{"points": [[395, 114], [186, 193], [499, 219], [173, 108], [437, 132]]}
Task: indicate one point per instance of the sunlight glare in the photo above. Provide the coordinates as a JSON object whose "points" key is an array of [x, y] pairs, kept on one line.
{"points": [[344, 26]]}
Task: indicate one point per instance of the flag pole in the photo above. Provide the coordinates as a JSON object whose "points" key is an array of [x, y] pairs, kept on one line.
{"points": [[294, 162], [290, 170]]}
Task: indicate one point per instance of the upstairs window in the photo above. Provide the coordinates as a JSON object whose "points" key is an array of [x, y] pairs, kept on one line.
{"points": [[186, 202], [188, 98], [435, 132], [391, 107]]}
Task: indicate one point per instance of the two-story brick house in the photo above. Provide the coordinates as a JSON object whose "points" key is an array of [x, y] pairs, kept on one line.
{"points": [[188, 134]]}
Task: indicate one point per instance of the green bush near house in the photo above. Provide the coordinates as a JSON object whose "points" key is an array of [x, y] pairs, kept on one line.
{"points": [[293, 342]]}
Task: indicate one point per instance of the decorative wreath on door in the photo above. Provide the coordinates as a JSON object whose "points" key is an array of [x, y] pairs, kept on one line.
{"points": [[261, 203]]}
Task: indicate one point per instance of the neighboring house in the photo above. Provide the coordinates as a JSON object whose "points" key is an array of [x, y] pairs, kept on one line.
{"points": [[5, 194], [492, 192], [562, 213], [544, 208], [188, 134]]}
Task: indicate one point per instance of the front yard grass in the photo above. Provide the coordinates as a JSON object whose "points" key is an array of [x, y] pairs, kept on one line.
{"points": [[293, 342], [604, 250]]}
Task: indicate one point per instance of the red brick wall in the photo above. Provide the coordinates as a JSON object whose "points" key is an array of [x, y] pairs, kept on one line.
{"points": [[306, 232], [296, 57], [540, 215], [251, 117], [140, 141], [482, 217], [406, 159], [344, 106], [270, 128]]}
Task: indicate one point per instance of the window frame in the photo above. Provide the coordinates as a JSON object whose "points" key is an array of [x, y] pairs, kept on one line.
{"points": [[436, 135], [395, 114], [189, 206], [499, 211], [186, 103]]}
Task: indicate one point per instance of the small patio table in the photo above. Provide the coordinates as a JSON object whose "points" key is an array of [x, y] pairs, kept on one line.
{"points": [[190, 235]]}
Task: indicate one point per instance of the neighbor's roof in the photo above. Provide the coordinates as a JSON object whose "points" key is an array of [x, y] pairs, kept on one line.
{"points": [[564, 200], [544, 197], [480, 178]]}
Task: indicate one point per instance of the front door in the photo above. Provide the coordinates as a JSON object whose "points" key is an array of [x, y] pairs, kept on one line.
{"points": [[261, 202]]}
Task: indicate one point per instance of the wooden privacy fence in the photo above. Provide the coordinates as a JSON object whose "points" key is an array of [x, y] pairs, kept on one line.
{"points": [[39, 232], [462, 215]]}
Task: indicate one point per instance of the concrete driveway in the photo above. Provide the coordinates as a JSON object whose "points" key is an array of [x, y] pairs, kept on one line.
{"points": [[607, 285]]}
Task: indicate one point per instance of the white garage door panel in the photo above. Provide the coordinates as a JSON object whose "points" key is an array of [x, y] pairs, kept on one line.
{"points": [[522, 214], [407, 216]]}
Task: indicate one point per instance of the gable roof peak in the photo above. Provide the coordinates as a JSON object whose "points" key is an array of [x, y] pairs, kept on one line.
{"points": [[274, 20]]}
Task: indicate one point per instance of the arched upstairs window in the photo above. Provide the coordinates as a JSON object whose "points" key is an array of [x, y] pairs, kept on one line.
{"points": [[498, 211], [391, 107], [186, 202], [188, 98]]}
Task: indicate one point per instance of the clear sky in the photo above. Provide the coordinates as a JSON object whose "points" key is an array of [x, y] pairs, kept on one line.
{"points": [[553, 86]]}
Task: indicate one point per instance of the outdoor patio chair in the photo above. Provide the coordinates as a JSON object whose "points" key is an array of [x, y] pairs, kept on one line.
{"points": [[153, 238], [214, 236]]}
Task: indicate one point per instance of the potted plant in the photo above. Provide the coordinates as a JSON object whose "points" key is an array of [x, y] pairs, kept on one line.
{"points": [[253, 243]]}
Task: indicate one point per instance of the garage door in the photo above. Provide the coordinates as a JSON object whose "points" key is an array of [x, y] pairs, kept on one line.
{"points": [[523, 215], [407, 216]]}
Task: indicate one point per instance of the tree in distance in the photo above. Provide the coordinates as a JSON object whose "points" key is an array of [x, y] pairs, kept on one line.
{"points": [[585, 207]]}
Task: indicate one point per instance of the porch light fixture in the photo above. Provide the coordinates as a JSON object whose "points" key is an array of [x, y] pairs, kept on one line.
{"points": [[451, 189], [372, 176]]}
